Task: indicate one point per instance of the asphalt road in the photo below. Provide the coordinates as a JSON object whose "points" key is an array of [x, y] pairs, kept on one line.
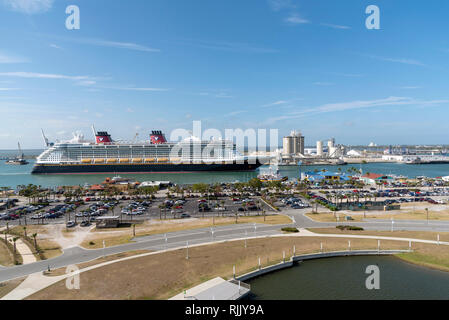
{"points": [[370, 224]]}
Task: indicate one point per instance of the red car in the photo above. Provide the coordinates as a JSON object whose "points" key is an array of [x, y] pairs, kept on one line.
{"points": [[178, 207]]}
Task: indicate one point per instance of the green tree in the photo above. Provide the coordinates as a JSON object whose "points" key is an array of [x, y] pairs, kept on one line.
{"points": [[255, 184]]}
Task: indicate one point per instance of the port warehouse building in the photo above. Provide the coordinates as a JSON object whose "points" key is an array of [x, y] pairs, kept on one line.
{"points": [[368, 178], [373, 178], [319, 176]]}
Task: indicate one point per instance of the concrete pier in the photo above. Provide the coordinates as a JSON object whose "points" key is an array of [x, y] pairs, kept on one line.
{"points": [[216, 289]]}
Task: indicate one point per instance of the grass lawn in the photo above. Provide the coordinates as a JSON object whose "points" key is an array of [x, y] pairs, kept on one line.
{"points": [[329, 217], [62, 271], [6, 257], [164, 275], [113, 237], [424, 235], [396, 215]]}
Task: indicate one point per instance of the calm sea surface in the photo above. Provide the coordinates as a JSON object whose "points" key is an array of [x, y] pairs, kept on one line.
{"points": [[12, 176], [344, 278]]}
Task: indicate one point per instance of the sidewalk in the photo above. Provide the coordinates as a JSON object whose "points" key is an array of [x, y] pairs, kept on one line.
{"points": [[23, 250]]}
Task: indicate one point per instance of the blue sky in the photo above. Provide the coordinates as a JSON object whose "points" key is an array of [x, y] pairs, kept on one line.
{"points": [[308, 65]]}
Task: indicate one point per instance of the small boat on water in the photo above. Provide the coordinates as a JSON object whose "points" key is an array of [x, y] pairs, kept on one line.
{"points": [[19, 160], [341, 162], [119, 180], [272, 175]]}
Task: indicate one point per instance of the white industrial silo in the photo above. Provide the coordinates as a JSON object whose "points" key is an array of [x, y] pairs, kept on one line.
{"points": [[319, 148]]}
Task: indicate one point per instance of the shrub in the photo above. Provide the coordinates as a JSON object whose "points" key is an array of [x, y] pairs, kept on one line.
{"points": [[290, 229], [91, 243], [352, 228]]}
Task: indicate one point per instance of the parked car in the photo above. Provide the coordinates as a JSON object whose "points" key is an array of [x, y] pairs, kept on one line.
{"points": [[70, 224], [85, 223]]}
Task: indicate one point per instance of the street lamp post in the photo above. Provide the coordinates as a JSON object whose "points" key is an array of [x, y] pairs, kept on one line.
{"points": [[246, 236]]}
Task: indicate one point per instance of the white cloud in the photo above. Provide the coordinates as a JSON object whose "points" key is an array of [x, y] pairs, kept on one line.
{"points": [[360, 104], [55, 46], [235, 113], [230, 46], [29, 6], [129, 110], [410, 87], [4, 58], [277, 5], [349, 75], [323, 83], [335, 26], [223, 95], [296, 19], [399, 60], [276, 103], [116, 44], [9, 89], [33, 75], [137, 89], [87, 83]]}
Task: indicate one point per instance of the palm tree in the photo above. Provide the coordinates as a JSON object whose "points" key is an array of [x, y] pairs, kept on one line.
{"points": [[25, 231], [15, 248], [121, 213], [35, 241], [161, 206]]}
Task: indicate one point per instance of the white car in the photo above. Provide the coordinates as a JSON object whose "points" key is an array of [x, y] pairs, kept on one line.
{"points": [[71, 224]]}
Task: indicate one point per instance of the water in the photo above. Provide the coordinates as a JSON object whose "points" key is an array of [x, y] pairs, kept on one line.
{"points": [[344, 278], [408, 170], [12, 176]]}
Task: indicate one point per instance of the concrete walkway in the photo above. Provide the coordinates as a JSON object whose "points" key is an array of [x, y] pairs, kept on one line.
{"points": [[307, 233], [32, 284], [23, 250], [192, 292]]}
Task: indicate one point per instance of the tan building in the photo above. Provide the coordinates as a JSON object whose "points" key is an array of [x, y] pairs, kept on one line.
{"points": [[293, 144]]}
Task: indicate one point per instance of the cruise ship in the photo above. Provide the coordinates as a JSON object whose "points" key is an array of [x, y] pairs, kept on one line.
{"points": [[104, 155]]}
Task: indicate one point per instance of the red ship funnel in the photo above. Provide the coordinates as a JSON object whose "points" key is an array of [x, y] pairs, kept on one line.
{"points": [[157, 137], [102, 137]]}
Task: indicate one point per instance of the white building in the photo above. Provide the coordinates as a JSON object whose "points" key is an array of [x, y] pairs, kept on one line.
{"points": [[354, 153]]}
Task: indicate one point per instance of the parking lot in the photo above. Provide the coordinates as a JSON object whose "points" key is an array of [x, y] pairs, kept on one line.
{"points": [[385, 197], [87, 210]]}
